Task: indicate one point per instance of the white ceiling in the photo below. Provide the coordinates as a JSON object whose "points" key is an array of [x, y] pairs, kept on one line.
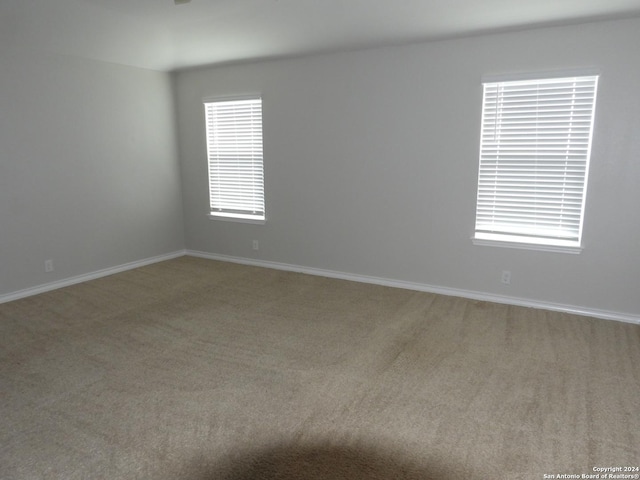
{"points": [[159, 35]]}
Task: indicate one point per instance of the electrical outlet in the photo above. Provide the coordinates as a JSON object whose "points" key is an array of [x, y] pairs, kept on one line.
{"points": [[256, 245], [48, 265], [506, 277]]}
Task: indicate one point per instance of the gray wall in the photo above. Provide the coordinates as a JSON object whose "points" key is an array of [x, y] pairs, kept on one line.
{"points": [[88, 168], [371, 164]]}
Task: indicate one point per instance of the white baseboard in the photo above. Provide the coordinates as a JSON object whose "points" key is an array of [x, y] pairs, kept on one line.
{"points": [[589, 312], [474, 295], [47, 287]]}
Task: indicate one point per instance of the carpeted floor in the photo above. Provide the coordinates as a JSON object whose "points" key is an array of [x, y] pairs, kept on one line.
{"points": [[195, 369]]}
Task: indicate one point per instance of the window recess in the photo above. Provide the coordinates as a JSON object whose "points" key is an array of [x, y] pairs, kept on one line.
{"points": [[235, 159], [535, 147]]}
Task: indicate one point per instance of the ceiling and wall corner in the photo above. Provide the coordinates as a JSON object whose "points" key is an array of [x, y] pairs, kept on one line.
{"points": [[158, 35]]}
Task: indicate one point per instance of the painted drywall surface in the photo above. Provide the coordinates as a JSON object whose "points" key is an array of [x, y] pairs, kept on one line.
{"points": [[371, 164], [88, 169]]}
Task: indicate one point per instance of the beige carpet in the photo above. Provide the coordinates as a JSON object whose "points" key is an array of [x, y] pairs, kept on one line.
{"points": [[194, 369]]}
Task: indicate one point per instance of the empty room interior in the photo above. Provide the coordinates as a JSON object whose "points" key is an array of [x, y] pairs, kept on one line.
{"points": [[318, 239]]}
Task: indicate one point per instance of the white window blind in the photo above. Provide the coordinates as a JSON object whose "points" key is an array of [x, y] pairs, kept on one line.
{"points": [[234, 152], [534, 159]]}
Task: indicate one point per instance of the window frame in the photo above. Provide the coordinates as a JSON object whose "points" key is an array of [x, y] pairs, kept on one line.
{"points": [[220, 211], [542, 242]]}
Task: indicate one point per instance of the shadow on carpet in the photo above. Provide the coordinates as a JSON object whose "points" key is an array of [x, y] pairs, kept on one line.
{"points": [[325, 461]]}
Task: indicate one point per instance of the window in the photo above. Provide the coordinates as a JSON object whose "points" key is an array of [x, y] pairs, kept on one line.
{"points": [[534, 160], [234, 153]]}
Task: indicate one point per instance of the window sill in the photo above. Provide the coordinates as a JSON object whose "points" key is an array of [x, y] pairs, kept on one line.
{"points": [[507, 241], [237, 218]]}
